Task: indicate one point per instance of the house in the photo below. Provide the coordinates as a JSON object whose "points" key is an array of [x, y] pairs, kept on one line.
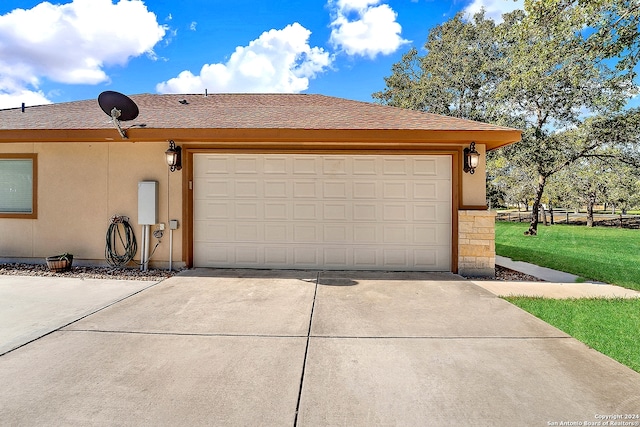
{"points": [[279, 181]]}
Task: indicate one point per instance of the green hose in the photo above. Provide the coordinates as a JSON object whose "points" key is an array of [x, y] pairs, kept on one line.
{"points": [[120, 231]]}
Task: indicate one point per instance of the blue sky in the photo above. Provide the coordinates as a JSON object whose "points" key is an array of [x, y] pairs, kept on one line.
{"points": [[74, 49]]}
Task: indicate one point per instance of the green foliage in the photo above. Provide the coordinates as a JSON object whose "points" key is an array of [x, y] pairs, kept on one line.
{"points": [[611, 326], [457, 75], [610, 27], [515, 184], [605, 254], [541, 70]]}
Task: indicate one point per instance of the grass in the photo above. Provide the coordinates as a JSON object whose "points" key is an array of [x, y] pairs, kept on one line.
{"points": [[606, 254], [610, 326]]}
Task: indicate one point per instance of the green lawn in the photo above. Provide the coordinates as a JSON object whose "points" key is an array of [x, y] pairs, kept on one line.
{"points": [[610, 255], [611, 326]]}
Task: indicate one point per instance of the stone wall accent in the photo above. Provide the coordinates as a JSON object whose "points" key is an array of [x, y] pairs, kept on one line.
{"points": [[476, 243]]}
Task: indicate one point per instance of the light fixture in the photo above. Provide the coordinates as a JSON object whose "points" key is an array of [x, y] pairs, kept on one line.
{"points": [[174, 156], [471, 158]]}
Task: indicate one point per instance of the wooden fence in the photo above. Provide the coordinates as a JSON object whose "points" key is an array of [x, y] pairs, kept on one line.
{"points": [[562, 216]]}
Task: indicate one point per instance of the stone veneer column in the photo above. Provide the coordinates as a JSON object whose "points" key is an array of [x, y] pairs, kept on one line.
{"points": [[476, 243]]}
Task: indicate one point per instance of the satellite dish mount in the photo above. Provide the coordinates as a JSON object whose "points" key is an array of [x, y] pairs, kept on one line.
{"points": [[115, 114], [119, 107]]}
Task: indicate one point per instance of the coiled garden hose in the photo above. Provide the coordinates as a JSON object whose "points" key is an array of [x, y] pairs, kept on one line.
{"points": [[120, 231]]}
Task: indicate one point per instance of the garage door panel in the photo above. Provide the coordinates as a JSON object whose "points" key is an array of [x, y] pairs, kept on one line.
{"points": [[306, 211], [305, 189], [248, 233], [395, 190], [210, 188], [246, 165], [396, 234], [275, 165], [428, 167], [277, 256], [210, 210], [336, 257], [431, 235], [433, 190], [366, 233], [365, 212], [276, 211], [365, 166], [245, 189], [337, 233], [248, 210], [306, 233], [306, 166], [395, 213], [211, 254], [276, 189], [396, 166], [305, 257], [332, 211], [335, 165], [278, 233], [427, 259], [336, 190], [396, 258], [366, 190], [206, 166], [206, 231], [432, 213]]}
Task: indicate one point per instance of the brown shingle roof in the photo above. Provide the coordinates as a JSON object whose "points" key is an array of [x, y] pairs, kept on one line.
{"points": [[239, 111]]}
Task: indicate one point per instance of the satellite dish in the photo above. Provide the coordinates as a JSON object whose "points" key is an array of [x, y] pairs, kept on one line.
{"points": [[109, 100], [119, 107]]}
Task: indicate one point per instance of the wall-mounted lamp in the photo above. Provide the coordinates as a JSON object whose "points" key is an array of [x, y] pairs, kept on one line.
{"points": [[471, 158], [174, 156]]}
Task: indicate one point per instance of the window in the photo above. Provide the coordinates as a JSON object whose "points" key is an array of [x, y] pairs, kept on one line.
{"points": [[18, 185]]}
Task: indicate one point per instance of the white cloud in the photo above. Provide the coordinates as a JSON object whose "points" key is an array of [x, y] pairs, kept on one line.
{"points": [[365, 28], [72, 43], [277, 61], [14, 99], [494, 9]]}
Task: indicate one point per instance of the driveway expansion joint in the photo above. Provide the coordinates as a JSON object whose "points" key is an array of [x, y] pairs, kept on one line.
{"points": [[183, 334], [306, 350]]}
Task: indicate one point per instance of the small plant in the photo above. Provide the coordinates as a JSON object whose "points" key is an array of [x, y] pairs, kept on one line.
{"points": [[60, 263]]}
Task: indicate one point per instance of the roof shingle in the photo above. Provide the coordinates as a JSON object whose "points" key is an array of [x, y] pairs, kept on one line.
{"points": [[196, 117], [233, 111]]}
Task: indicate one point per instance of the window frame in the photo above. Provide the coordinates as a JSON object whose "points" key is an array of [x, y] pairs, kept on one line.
{"points": [[34, 191]]}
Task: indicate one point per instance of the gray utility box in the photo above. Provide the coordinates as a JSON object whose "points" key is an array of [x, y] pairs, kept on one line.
{"points": [[147, 202]]}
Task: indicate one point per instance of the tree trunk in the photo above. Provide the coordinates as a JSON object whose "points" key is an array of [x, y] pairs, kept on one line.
{"points": [[533, 226], [590, 203], [553, 222]]}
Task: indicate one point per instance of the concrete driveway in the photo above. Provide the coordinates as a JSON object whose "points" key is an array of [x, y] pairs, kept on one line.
{"points": [[216, 347]]}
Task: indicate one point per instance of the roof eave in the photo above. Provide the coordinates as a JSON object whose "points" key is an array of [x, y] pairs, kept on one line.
{"points": [[492, 139]]}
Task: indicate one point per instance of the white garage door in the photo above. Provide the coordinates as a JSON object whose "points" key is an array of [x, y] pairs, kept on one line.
{"points": [[322, 211]]}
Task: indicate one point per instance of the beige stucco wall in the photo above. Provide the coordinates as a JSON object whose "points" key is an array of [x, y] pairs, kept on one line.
{"points": [[474, 188], [80, 186]]}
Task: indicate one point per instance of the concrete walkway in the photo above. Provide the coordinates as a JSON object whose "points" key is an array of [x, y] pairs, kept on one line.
{"points": [[231, 348], [558, 284]]}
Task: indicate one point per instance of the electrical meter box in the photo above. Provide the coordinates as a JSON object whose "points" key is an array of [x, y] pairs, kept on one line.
{"points": [[147, 202]]}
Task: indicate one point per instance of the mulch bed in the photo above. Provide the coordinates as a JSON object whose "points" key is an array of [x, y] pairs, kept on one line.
{"points": [[502, 273]]}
